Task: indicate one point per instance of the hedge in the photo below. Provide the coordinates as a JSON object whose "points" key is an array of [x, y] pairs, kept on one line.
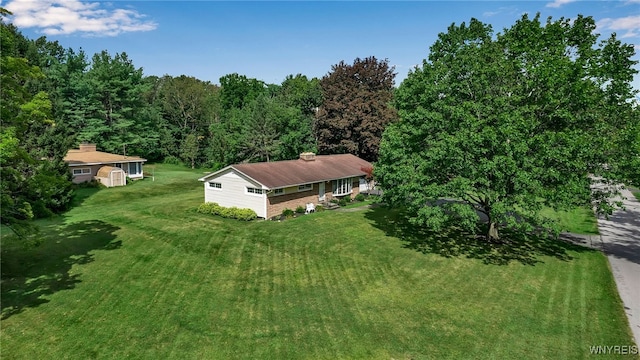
{"points": [[231, 212]]}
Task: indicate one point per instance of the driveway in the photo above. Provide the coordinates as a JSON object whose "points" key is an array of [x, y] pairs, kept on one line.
{"points": [[621, 243]]}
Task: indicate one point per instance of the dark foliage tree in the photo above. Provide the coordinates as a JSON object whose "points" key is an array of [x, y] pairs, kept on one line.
{"points": [[505, 125], [356, 107]]}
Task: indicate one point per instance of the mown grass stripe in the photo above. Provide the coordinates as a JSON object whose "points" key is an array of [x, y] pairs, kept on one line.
{"points": [[568, 305], [582, 309]]}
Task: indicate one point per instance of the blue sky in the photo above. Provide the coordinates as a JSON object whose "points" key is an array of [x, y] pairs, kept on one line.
{"points": [[268, 40]]}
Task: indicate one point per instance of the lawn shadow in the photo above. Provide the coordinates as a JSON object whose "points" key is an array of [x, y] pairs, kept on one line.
{"points": [[453, 242], [82, 193], [29, 273]]}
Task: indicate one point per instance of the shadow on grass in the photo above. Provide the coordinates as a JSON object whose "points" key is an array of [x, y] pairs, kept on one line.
{"points": [[82, 193], [453, 242], [29, 273]]}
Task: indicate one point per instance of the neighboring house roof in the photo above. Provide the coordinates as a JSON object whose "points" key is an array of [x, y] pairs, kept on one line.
{"points": [[89, 156], [105, 170], [279, 174]]}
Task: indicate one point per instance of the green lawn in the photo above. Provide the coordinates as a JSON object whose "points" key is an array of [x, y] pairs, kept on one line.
{"points": [[135, 272], [578, 221]]}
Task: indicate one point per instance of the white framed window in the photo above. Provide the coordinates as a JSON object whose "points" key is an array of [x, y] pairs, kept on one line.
{"points": [[305, 187], [278, 191], [215, 185], [254, 191], [342, 186], [82, 171], [135, 168]]}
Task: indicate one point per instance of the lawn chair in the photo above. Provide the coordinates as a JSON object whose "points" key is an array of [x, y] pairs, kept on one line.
{"points": [[310, 208]]}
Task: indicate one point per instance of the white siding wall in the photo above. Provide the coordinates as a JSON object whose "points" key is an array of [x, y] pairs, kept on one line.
{"points": [[234, 193]]}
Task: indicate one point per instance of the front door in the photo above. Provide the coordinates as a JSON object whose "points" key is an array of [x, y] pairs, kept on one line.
{"points": [[321, 192]]}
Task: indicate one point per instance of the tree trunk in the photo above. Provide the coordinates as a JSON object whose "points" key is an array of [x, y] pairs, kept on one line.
{"points": [[492, 233]]}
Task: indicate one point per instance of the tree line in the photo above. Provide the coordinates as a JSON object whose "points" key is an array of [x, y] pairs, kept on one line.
{"points": [[54, 98]]}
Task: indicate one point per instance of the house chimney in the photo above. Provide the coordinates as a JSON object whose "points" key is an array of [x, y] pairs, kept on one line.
{"points": [[308, 156], [84, 147]]}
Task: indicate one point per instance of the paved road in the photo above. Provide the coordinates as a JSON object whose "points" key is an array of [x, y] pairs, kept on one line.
{"points": [[621, 242]]}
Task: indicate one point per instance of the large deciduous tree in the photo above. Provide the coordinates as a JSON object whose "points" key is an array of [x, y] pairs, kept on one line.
{"points": [[189, 107], [264, 122], [505, 125], [35, 182], [356, 108], [238, 90]]}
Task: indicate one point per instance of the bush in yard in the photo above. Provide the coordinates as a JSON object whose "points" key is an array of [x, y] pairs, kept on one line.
{"points": [[359, 197], [214, 209], [246, 214], [319, 208], [344, 201], [232, 212], [88, 184], [228, 212], [288, 213], [300, 209], [206, 208], [172, 160]]}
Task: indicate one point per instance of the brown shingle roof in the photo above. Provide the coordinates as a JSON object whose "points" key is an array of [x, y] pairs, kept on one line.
{"points": [[78, 157], [279, 174]]}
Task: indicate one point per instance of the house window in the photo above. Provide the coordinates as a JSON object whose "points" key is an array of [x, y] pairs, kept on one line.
{"points": [[254, 191], [305, 187], [342, 186], [278, 191], [82, 171], [215, 185], [134, 169]]}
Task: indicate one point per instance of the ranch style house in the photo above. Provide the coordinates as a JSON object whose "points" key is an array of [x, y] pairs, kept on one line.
{"points": [[87, 164], [270, 187]]}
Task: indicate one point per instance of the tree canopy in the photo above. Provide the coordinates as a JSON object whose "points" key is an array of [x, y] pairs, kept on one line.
{"points": [[504, 125], [35, 181], [356, 108]]}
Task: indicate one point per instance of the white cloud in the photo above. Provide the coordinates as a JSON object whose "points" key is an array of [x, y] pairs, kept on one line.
{"points": [[559, 3], [63, 17], [629, 26], [490, 13]]}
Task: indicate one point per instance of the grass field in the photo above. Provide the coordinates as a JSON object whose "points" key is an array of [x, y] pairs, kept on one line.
{"points": [[135, 272], [578, 221]]}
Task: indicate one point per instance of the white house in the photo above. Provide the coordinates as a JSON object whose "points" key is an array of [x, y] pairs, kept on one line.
{"points": [[270, 187]]}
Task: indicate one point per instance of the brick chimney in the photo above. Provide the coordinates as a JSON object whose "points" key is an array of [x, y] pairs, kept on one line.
{"points": [[308, 156], [84, 147]]}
